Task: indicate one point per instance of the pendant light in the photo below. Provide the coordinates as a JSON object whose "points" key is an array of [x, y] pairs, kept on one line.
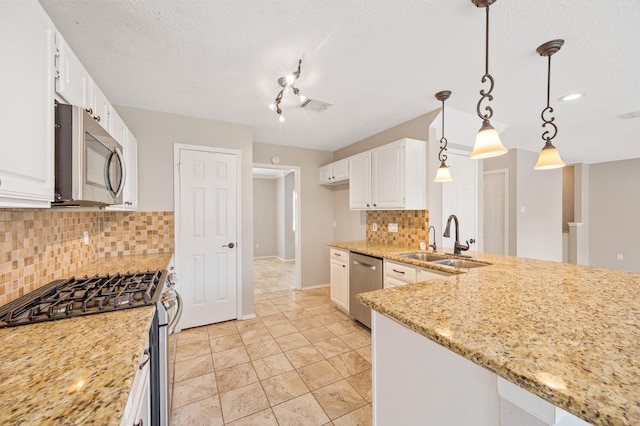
{"points": [[443, 174], [549, 157], [488, 142]]}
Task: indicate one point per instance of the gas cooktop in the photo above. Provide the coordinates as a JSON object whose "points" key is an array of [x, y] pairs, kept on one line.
{"points": [[84, 296]]}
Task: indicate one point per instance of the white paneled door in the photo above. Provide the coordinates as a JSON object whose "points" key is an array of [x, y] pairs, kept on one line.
{"points": [[207, 240], [495, 211], [460, 197]]}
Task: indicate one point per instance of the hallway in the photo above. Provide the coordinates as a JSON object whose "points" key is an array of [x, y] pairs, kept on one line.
{"points": [[300, 362]]}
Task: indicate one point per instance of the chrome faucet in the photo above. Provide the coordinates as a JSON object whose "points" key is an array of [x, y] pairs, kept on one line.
{"points": [[457, 247], [433, 245]]}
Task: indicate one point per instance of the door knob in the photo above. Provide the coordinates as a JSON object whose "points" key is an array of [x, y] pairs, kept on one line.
{"points": [[230, 245]]}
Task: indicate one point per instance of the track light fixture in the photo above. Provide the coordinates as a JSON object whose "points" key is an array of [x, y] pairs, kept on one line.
{"points": [[488, 142], [549, 157], [284, 82], [443, 174]]}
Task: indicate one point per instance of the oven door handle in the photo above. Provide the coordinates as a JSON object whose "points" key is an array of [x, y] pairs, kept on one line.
{"points": [[176, 318]]}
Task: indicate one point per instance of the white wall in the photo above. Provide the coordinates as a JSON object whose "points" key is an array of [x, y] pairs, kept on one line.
{"points": [[289, 186], [157, 132], [264, 217], [614, 212], [316, 202], [539, 205]]}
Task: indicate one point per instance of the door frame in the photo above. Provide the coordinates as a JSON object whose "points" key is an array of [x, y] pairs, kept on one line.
{"points": [[297, 217], [176, 212], [504, 172]]}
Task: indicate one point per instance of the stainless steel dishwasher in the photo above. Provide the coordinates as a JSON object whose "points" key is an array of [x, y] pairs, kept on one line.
{"points": [[365, 274]]}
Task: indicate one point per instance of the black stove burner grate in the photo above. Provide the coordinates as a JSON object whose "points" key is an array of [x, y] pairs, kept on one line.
{"points": [[84, 296]]}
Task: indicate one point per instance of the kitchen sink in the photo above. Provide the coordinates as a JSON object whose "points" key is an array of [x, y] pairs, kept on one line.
{"points": [[426, 257], [460, 263]]}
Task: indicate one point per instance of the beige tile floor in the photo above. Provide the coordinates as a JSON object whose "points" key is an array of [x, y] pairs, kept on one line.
{"points": [[300, 362]]}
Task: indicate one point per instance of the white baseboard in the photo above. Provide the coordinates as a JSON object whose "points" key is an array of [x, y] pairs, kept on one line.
{"points": [[315, 286], [247, 317]]}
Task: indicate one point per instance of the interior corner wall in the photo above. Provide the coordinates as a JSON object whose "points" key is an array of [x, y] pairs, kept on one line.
{"points": [[567, 197], [614, 204], [279, 201], [289, 233], [264, 217], [417, 128], [157, 132], [316, 205]]}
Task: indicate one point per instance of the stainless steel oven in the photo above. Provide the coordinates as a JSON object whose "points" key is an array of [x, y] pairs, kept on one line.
{"points": [[170, 312]]}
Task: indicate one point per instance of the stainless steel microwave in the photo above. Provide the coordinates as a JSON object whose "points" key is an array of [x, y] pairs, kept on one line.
{"points": [[89, 162]]}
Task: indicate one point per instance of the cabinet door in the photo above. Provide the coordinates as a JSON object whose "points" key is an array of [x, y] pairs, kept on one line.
{"points": [[131, 184], [387, 178], [339, 284], [27, 80], [360, 181], [430, 274], [326, 173], [71, 76], [98, 103], [341, 170], [130, 192]]}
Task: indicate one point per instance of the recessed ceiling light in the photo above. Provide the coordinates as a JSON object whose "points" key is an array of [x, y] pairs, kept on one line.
{"points": [[629, 115], [571, 97]]}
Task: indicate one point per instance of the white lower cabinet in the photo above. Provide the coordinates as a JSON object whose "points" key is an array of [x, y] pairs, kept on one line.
{"points": [[339, 273], [396, 274], [137, 412]]}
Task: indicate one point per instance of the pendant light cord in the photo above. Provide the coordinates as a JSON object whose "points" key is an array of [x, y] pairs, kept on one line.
{"points": [[545, 136], [486, 94]]}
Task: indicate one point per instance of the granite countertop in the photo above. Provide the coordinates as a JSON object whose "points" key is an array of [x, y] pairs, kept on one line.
{"points": [[77, 370], [567, 333]]}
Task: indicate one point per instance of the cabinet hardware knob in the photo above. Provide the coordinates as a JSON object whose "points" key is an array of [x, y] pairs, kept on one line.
{"points": [[140, 423]]}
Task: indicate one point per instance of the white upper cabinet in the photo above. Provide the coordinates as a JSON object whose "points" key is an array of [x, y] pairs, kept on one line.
{"points": [[97, 104], [130, 146], [391, 177], [71, 76], [27, 80], [336, 172], [360, 181]]}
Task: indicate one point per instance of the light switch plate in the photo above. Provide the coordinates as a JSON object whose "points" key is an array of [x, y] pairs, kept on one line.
{"points": [[393, 227]]}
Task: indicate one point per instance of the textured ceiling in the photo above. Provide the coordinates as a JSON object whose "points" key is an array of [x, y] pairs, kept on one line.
{"points": [[379, 62]]}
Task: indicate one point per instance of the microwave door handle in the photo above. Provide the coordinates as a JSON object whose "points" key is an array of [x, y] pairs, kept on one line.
{"points": [[115, 193]]}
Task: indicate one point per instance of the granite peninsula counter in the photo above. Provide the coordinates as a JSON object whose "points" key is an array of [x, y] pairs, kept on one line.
{"points": [[77, 370], [567, 333]]}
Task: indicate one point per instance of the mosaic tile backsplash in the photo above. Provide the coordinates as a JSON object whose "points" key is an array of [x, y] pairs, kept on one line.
{"points": [[38, 246], [413, 227]]}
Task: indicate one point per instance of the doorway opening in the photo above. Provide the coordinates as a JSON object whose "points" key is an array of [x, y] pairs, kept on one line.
{"points": [[276, 228]]}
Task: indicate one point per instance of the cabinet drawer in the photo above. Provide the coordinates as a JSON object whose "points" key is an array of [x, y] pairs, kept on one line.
{"points": [[339, 255], [400, 271]]}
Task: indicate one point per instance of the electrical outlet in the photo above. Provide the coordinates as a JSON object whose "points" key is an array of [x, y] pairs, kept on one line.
{"points": [[619, 256], [86, 238], [257, 245], [393, 227], [375, 227]]}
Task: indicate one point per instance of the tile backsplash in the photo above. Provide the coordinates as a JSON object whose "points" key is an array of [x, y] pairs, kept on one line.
{"points": [[413, 227], [38, 246]]}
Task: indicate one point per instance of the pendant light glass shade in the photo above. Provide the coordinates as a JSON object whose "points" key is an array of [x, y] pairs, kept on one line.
{"points": [[443, 174], [488, 143], [549, 158]]}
